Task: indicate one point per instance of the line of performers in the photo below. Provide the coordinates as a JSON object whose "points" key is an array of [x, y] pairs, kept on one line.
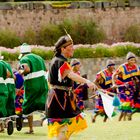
{"points": [[123, 81], [63, 102], [67, 90]]}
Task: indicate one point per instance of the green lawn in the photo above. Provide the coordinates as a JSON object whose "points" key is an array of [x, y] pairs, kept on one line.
{"points": [[111, 130]]}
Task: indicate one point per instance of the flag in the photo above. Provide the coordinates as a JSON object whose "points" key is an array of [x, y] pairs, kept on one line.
{"points": [[107, 103], [62, 70]]}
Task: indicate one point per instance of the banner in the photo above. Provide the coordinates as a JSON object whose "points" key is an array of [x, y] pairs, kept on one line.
{"points": [[107, 103]]}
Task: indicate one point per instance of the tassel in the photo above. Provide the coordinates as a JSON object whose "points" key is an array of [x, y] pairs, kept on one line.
{"points": [[116, 101]]}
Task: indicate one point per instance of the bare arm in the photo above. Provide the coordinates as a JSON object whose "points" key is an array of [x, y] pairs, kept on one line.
{"points": [[8, 74], [23, 69], [15, 77], [114, 76], [98, 80], [77, 78]]}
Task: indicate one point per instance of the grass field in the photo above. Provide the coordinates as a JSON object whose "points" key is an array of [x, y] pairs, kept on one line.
{"points": [[111, 130]]}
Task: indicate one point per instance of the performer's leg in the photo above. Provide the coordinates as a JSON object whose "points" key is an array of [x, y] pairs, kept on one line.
{"points": [[30, 122], [62, 133], [133, 112], [1, 126], [130, 116], [125, 114], [121, 116], [105, 118], [94, 117], [19, 121]]}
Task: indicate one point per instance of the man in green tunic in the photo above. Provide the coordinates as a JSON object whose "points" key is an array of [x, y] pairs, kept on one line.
{"points": [[11, 91], [7, 93], [35, 84], [3, 90]]}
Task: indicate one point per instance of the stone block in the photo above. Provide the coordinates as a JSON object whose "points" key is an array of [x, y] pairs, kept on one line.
{"points": [[8, 1], [121, 3], [30, 6], [98, 4], [74, 5], [113, 4], [106, 4], [48, 6], [38, 6], [86, 4], [22, 6], [6, 7], [134, 3]]}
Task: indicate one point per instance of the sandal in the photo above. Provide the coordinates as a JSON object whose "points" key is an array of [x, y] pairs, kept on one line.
{"points": [[19, 123], [29, 132], [10, 127]]}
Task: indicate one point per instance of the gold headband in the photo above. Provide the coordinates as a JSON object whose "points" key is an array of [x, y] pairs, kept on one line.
{"points": [[67, 44]]}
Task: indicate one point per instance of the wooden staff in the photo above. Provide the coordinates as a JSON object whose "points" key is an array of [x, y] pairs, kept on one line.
{"points": [[93, 96], [104, 91]]}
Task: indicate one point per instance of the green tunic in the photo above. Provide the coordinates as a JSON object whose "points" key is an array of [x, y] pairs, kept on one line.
{"points": [[3, 90], [35, 84], [11, 91]]}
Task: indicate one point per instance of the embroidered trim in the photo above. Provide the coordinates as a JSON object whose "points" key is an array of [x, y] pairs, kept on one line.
{"points": [[2, 80], [34, 75], [9, 81]]}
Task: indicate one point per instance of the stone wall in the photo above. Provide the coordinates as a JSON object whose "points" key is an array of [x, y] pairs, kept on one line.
{"points": [[113, 18], [90, 66]]}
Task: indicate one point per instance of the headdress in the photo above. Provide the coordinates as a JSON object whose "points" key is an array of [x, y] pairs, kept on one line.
{"points": [[24, 48], [74, 62], [130, 55], [110, 63], [63, 42]]}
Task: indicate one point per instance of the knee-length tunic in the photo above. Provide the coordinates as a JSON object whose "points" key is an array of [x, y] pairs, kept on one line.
{"points": [[126, 92], [3, 90], [35, 84], [61, 108]]}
